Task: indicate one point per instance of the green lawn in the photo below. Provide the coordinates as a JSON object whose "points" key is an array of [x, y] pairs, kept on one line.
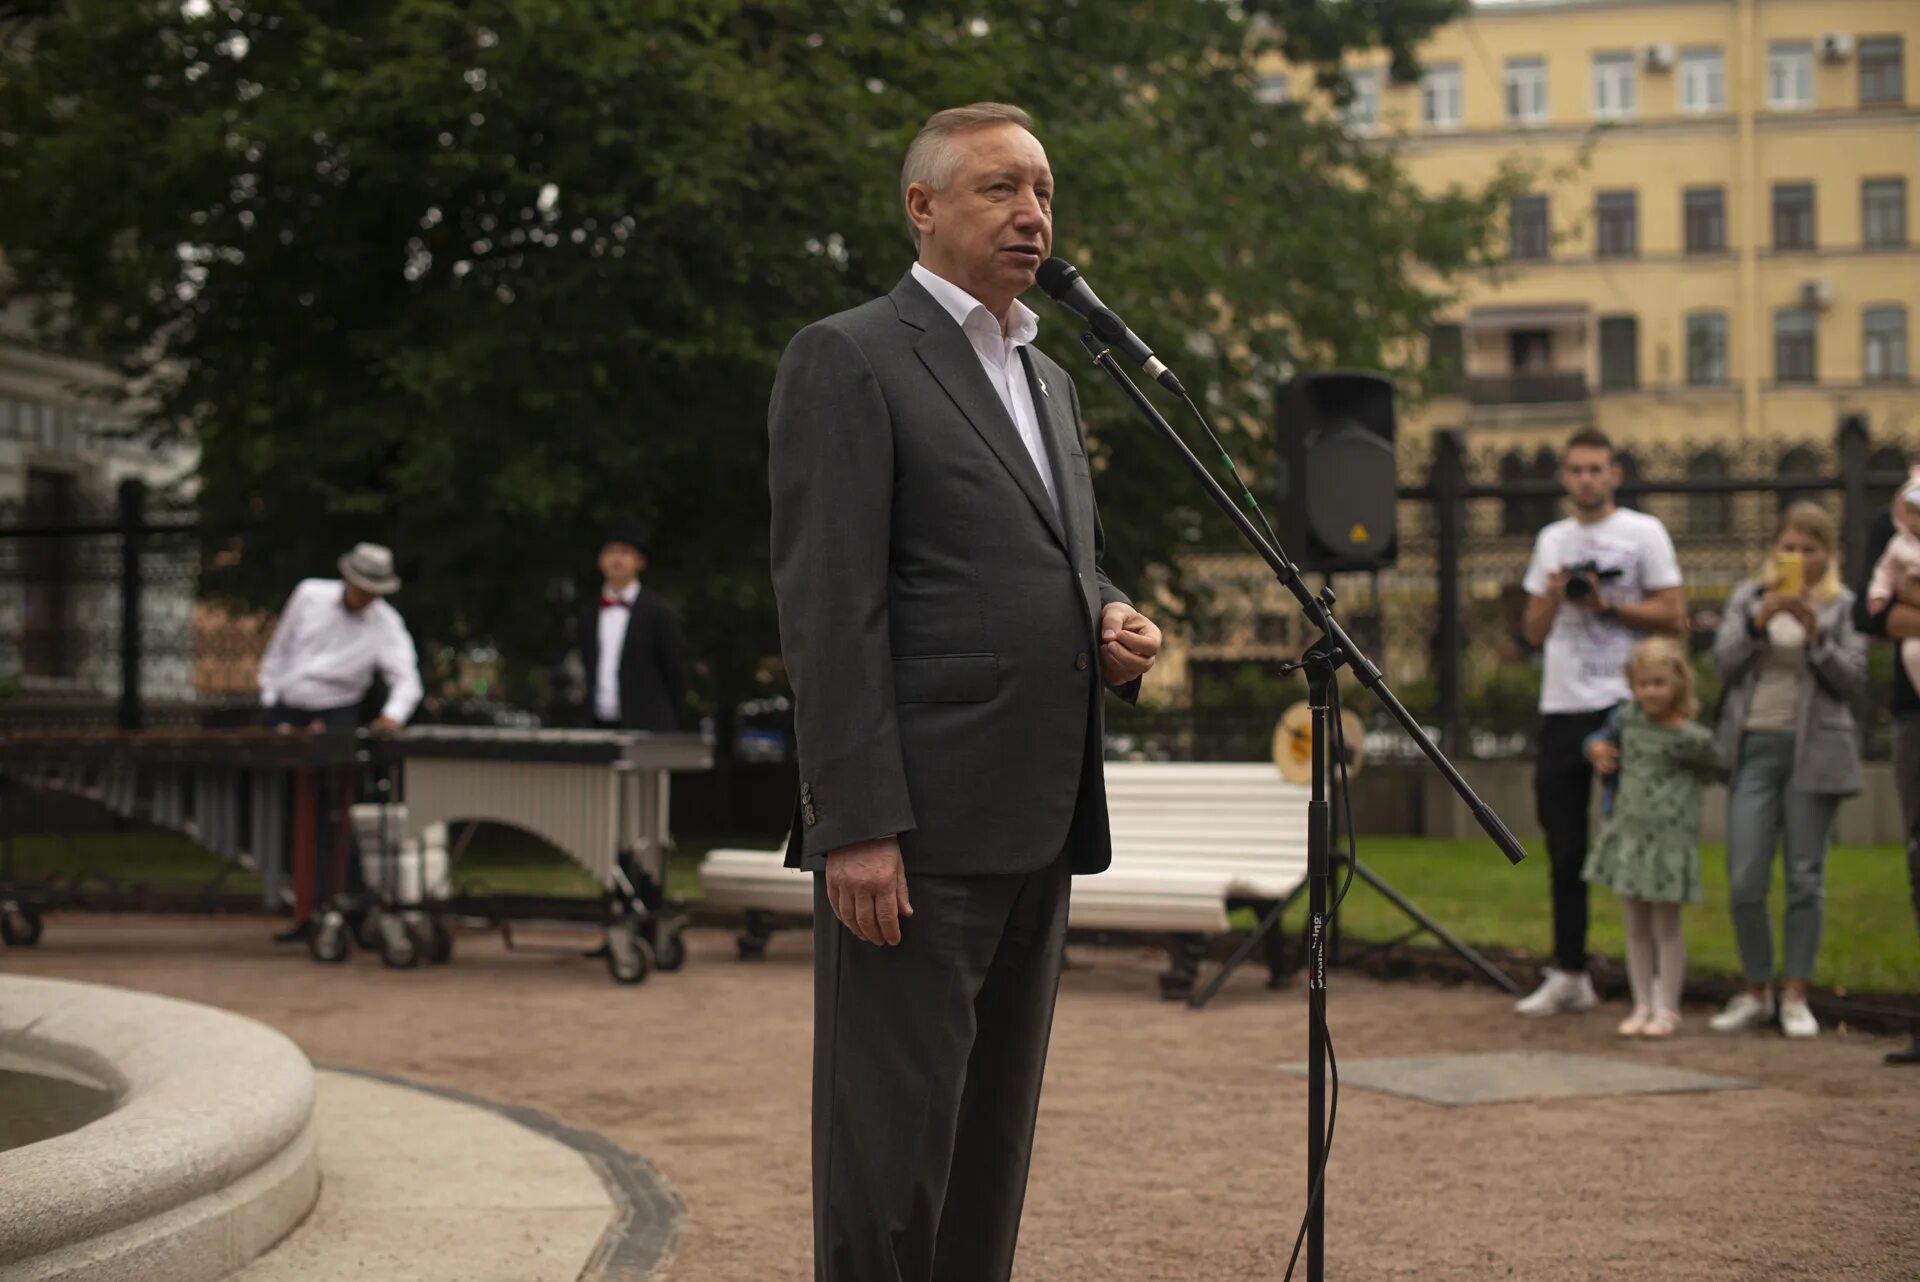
{"points": [[1870, 943], [1468, 887]]}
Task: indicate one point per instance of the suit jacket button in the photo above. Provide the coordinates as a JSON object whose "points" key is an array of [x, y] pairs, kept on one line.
{"points": [[806, 792], [812, 818], [1081, 662]]}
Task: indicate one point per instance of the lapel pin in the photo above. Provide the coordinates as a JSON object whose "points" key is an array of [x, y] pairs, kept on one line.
{"points": [[1043, 385]]}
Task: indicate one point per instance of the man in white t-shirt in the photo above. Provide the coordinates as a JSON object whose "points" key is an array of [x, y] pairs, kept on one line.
{"points": [[1599, 581]]}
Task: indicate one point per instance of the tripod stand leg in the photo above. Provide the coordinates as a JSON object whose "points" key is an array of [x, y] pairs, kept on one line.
{"points": [[1267, 933], [1460, 948]]}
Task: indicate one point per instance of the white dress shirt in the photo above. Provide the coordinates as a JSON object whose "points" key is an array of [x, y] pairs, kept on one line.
{"points": [[1000, 358], [613, 639], [324, 655]]}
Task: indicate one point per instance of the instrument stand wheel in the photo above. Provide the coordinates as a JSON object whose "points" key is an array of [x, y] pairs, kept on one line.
{"points": [[365, 921], [629, 955], [669, 941], [434, 940], [20, 927], [327, 941], [397, 948]]}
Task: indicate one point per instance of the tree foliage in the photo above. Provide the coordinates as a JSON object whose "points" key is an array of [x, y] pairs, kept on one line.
{"points": [[468, 275]]}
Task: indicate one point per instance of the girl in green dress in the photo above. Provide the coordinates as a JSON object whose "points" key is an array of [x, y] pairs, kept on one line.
{"points": [[1648, 851]]}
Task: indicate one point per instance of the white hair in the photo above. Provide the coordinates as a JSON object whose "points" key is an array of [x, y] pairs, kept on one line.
{"points": [[933, 156]]}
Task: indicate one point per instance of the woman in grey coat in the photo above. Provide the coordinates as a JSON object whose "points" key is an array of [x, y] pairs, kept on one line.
{"points": [[1792, 663]]}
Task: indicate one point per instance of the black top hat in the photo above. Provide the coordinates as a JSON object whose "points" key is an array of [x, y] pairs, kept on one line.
{"points": [[629, 530]]}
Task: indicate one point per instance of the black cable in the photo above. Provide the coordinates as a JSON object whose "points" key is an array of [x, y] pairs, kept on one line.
{"points": [[1246, 494]]}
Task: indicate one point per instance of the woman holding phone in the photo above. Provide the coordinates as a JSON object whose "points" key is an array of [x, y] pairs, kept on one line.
{"points": [[1792, 663]]}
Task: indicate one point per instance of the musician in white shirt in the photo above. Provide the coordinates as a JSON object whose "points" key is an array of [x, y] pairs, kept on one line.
{"points": [[332, 639], [330, 642]]}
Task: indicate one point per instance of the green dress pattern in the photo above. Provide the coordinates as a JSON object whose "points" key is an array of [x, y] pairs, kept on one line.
{"points": [[1650, 847]]}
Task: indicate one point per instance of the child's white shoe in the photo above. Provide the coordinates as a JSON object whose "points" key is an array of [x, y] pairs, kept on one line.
{"points": [[1636, 1023], [1743, 1012], [1665, 1023], [1795, 1019]]}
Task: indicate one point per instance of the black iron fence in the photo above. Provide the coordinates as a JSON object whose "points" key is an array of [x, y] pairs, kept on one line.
{"points": [[1444, 622], [101, 614], [103, 617]]}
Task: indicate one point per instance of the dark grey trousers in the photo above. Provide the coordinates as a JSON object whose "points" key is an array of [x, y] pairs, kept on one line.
{"points": [[927, 1060], [1906, 778]]}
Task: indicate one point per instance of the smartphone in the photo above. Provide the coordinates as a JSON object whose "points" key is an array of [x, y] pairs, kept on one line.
{"points": [[1792, 573]]}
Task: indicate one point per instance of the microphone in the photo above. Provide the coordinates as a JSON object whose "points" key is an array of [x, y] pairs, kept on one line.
{"points": [[1064, 285]]}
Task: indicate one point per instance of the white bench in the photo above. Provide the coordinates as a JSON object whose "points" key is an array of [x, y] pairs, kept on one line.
{"points": [[1191, 842]]}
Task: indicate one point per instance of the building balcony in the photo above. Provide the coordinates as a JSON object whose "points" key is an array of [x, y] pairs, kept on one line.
{"points": [[1526, 389]]}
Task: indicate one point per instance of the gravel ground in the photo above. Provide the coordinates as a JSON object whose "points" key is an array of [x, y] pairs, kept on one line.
{"points": [[1170, 1145]]}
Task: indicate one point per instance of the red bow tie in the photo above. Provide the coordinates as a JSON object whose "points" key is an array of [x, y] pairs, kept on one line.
{"points": [[608, 602]]}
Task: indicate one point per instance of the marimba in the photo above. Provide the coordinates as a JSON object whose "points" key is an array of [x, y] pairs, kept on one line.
{"points": [[594, 794]]}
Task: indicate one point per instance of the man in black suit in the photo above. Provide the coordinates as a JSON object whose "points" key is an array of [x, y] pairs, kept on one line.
{"points": [[947, 629], [631, 645]]}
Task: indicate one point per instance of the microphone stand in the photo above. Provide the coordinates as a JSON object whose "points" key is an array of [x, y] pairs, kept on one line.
{"points": [[1321, 664]]}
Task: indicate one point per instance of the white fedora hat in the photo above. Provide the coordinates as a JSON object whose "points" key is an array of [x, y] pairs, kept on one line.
{"points": [[370, 567]]}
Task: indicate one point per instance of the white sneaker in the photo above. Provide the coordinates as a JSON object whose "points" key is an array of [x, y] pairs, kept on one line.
{"points": [[1743, 1012], [1796, 1020], [1560, 993]]}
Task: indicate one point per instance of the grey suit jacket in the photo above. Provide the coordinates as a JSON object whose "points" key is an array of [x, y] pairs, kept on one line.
{"points": [[938, 619], [1826, 751]]}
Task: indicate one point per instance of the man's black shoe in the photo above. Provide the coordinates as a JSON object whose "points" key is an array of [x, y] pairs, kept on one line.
{"points": [[1911, 1055], [296, 935]]}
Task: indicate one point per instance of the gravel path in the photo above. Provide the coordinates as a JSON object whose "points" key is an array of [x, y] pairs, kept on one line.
{"points": [[1169, 1147]]}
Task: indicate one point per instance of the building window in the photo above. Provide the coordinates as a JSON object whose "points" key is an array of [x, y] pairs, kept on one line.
{"points": [[1446, 358], [50, 570], [1363, 109], [1273, 90], [1619, 352], [1792, 216], [1441, 96], [1615, 86], [1527, 226], [1884, 342], [1707, 349], [1795, 359], [1703, 80], [1709, 513], [1881, 76], [1616, 220], [1706, 220], [1883, 212], [1790, 76], [1526, 89]]}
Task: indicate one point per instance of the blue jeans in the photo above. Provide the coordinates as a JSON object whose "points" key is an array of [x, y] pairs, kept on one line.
{"points": [[1765, 810]]}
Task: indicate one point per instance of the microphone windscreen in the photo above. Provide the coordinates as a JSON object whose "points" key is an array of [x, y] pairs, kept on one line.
{"points": [[1055, 275]]}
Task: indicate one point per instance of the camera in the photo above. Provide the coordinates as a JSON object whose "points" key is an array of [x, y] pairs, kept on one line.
{"points": [[1582, 575]]}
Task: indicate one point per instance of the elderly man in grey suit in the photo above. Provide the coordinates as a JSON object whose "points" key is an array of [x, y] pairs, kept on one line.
{"points": [[947, 629]]}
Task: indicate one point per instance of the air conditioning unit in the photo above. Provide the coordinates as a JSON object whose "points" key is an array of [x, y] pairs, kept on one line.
{"points": [[1659, 57], [1836, 46], [1817, 294]]}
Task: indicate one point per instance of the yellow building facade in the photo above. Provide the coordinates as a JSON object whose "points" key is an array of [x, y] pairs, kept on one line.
{"points": [[1717, 246], [1718, 241]]}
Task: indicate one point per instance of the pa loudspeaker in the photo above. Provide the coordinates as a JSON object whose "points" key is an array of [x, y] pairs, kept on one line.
{"points": [[1335, 477]]}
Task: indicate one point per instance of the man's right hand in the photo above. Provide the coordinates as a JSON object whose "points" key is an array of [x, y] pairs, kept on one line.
{"points": [[867, 886]]}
